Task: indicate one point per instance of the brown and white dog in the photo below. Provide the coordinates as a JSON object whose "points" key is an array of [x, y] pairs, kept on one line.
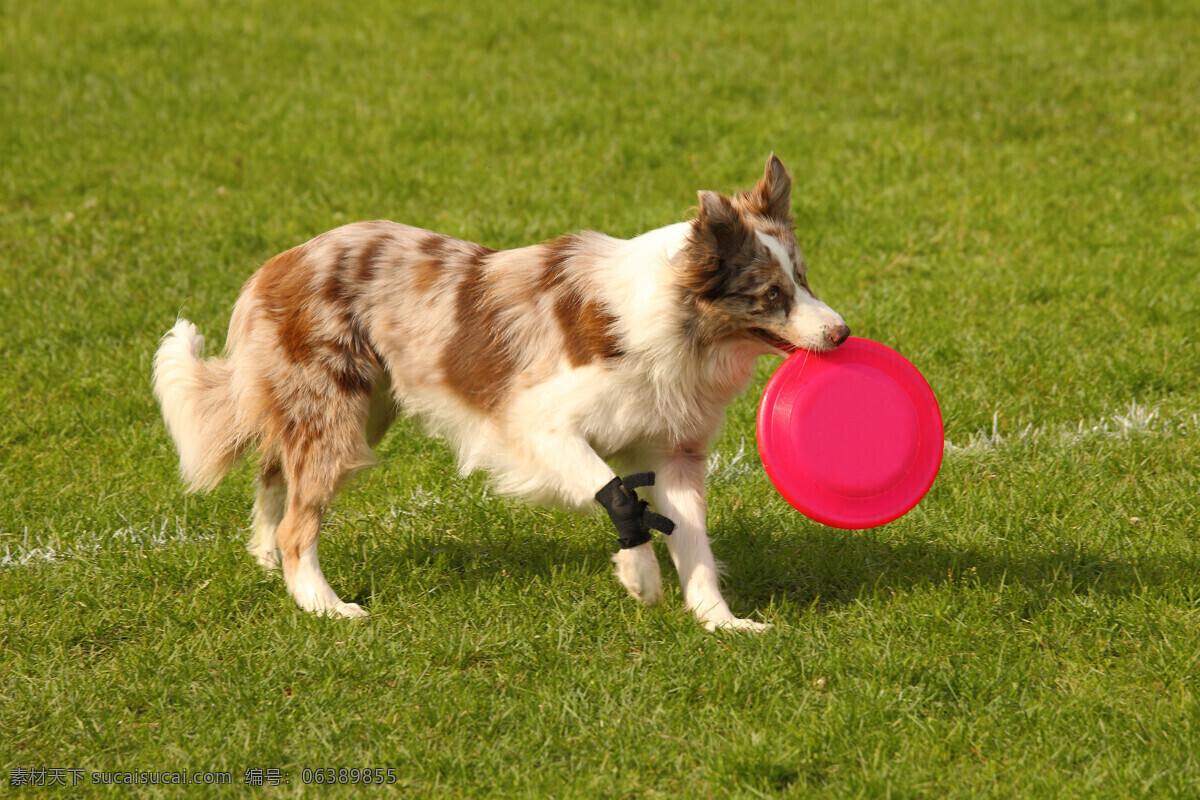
{"points": [[540, 365]]}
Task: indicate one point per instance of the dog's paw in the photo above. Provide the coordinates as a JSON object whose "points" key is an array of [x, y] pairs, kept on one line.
{"points": [[319, 598], [268, 559], [638, 572], [735, 624], [344, 610]]}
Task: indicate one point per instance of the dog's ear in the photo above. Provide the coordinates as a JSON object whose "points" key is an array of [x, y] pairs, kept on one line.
{"points": [[772, 195], [720, 226], [718, 236]]}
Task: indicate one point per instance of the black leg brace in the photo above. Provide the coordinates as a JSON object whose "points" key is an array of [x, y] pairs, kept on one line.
{"points": [[632, 517]]}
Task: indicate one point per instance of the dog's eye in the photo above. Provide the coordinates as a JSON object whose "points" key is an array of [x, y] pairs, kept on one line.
{"points": [[772, 295]]}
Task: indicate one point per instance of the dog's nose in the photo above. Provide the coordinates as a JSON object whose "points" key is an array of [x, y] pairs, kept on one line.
{"points": [[838, 334]]}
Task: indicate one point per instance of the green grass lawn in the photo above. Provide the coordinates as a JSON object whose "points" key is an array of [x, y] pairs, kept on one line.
{"points": [[1008, 193]]}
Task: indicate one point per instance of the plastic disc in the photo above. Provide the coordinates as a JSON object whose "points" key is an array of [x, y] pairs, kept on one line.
{"points": [[852, 438]]}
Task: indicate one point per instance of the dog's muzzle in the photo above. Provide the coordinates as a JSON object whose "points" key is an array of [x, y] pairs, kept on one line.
{"points": [[632, 517]]}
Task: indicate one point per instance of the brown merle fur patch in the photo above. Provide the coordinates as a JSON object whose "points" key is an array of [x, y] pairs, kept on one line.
{"points": [[427, 271], [347, 355], [370, 256], [556, 253], [289, 430], [282, 285], [587, 330], [439, 256], [476, 364], [586, 326]]}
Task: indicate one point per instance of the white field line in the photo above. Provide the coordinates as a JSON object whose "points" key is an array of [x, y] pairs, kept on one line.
{"points": [[729, 468], [155, 536], [1135, 420]]}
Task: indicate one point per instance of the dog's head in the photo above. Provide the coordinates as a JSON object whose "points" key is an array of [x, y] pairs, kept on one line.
{"points": [[746, 277]]}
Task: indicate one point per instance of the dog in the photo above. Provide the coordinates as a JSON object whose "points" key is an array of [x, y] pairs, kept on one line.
{"points": [[541, 365]]}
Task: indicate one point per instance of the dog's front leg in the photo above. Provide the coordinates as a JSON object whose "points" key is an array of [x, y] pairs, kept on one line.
{"points": [[575, 472], [680, 496]]}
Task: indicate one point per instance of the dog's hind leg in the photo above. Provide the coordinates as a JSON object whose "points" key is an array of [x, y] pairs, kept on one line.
{"points": [[381, 410], [321, 441], [270, 499], [299, 531]]}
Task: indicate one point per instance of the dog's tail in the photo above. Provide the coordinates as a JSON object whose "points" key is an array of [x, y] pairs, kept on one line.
{"points": [[199, 406]]}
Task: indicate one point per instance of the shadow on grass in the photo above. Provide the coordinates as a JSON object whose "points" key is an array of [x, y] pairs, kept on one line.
{"points": [[465, 562], [815, 566], [828, 567]]}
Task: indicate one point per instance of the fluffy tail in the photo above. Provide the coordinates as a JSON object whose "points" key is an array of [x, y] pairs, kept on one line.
{"points": [[198, 405]]}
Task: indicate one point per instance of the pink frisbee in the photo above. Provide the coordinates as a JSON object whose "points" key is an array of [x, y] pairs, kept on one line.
{"points": [[852, 438]]}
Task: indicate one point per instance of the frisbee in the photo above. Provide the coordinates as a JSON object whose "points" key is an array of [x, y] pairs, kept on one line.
{"points": [[852, 438]]}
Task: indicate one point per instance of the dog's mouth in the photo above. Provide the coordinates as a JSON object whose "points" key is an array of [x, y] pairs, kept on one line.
{"points": [[774, 341]]}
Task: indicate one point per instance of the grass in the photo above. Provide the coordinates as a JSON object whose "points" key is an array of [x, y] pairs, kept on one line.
{"points": [[1008, 193]]}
